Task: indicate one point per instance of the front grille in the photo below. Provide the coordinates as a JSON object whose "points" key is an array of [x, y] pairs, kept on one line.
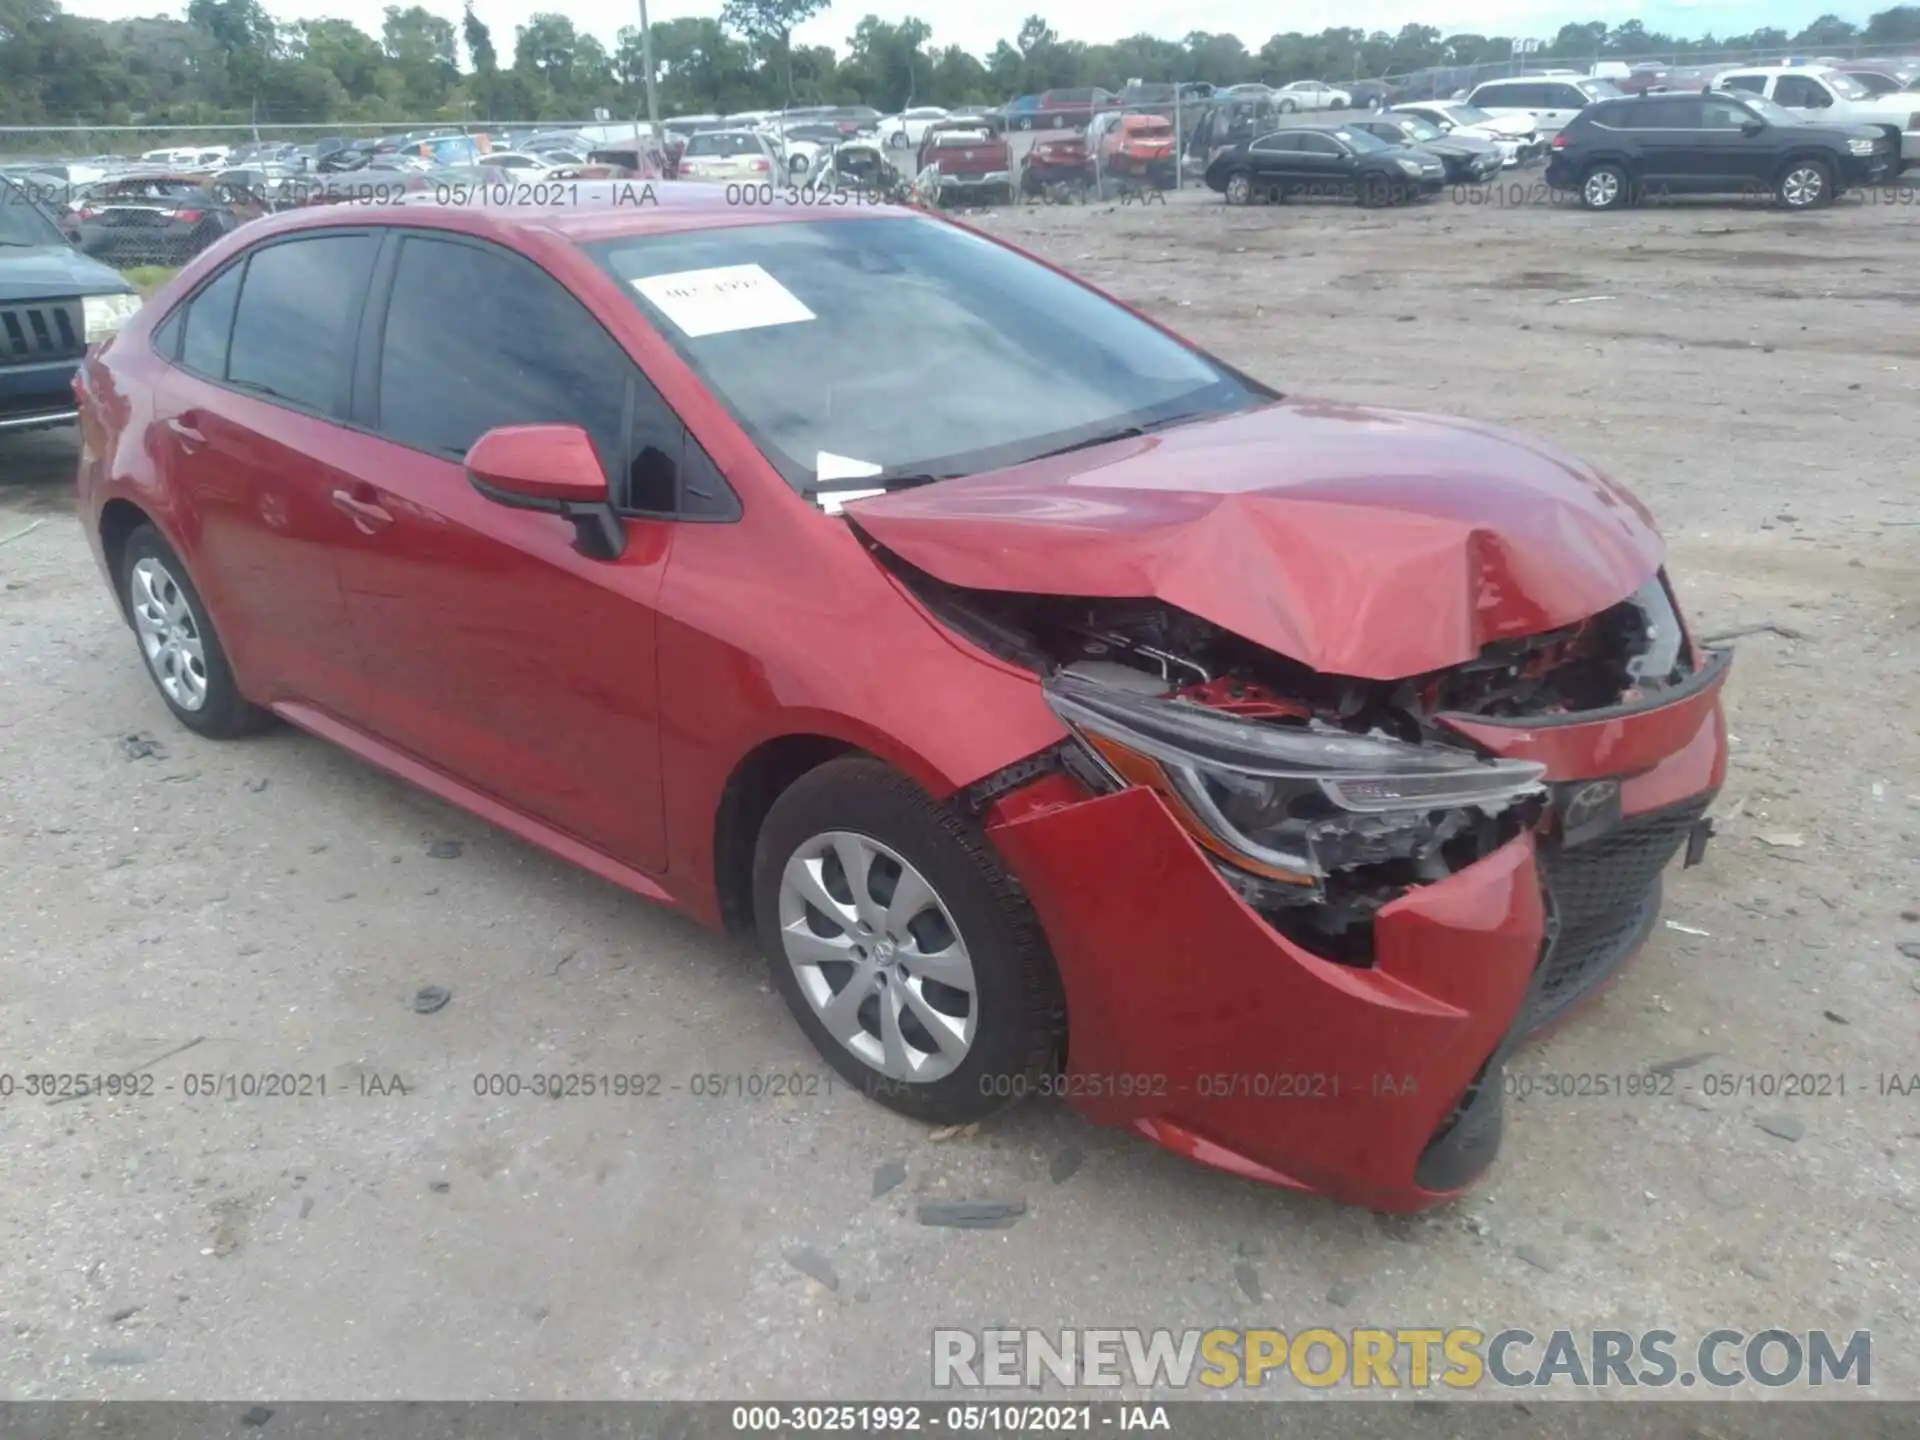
{"points": [[1602, 897], [41, 330]]}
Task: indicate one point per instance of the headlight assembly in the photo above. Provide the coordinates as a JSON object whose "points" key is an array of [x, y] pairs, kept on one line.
{"points": [[1412, 167], [1860, 147], [1285, 801], [104, 315]]}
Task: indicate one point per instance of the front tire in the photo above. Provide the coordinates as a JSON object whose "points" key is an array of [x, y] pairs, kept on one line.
{"points": [[902, 946], [1239, 189], [183, 654], [1805, 185], [1605, 187]]}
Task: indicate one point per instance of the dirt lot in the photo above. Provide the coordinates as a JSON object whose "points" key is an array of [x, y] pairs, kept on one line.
{"points": [[272, 905]]}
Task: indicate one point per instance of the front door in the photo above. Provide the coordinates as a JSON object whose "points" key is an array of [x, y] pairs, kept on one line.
{"points": [[493, 649]]}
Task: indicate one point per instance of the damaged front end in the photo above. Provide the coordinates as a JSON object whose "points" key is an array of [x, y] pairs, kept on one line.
{"points": [[1428, 869], [1321, 799]]}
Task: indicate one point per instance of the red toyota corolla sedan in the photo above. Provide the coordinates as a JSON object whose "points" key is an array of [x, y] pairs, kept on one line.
{"points": [[1067, 712]]}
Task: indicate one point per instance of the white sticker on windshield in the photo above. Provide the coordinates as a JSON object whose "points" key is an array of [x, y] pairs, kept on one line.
{"points": [[829, 466], [731, 297]]}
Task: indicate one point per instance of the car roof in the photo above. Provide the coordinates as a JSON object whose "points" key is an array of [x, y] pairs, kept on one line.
{"points": [[605, 210]]}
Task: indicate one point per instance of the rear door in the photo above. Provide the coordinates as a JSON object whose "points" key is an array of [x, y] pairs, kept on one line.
{"points": [[249, 414], [493, 648]]}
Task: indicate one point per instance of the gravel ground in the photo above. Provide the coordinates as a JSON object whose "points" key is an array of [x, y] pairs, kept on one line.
{"points": [[272, 905]]}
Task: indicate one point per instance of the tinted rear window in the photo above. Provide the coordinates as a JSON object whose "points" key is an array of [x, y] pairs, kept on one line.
{"points": [[290, 328]]}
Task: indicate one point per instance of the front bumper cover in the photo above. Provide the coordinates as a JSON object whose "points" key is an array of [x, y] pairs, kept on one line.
{"points": [[1195, 1023]]}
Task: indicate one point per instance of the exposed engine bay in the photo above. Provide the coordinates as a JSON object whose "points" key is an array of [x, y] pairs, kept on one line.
{"points": [[1321, 798]]}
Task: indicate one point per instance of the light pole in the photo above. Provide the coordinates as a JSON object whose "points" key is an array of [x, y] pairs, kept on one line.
{"points": [[646, 59]]}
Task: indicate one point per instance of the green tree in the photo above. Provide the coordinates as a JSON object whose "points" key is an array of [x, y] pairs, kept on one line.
{"points": [[768, 27]]}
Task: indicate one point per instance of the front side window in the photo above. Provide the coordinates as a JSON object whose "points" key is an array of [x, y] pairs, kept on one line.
{"points": [[1801, 93], [1753, 84], [476, 338], [970, 357], [290, 327], [1718, 114]]}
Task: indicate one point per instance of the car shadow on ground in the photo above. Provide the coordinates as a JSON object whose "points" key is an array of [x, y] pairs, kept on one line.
{"points": [[36, 470]]}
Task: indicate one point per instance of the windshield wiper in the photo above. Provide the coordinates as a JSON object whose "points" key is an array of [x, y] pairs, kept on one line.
{"points": [[1126, 432], [875, 482]]}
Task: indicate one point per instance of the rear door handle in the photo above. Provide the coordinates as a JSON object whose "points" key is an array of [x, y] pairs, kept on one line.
{"points": [[365, 514], [189, 433]]}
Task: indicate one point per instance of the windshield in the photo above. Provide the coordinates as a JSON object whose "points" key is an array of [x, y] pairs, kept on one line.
{"points": [[1599, 89], [900, 347], [1846, 86], [22, 222], [1467, 114], [1422, 129], [723, 142]]}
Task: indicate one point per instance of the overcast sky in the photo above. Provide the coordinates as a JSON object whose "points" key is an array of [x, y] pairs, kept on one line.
{"points": [[982, 23]]}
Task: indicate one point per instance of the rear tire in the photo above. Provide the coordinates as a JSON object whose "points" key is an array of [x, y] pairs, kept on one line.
{"points": [[1605, 187], [1239, 189], [976, 1049], [182, 651]]}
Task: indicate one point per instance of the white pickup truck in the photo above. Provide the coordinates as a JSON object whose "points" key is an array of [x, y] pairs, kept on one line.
{"points": [[1822, 93]]}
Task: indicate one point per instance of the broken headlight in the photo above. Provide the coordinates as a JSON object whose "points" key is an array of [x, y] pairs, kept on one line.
{"points": [[1286, 801]]}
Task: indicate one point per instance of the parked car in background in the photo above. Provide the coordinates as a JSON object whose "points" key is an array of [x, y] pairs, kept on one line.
{"points": [[1880, 80], [518, 160], [267, 187], [1517, 136], [906, 130], [1332, 162], [1622, 151], [160, 219], [725, 156], [1164, 100], [1310, 95], [1059, 108], [54, 302], [1372, 94], [1057, 160], [962, 162], [1139, 147], [531, 515], [642, 159], [1548, 101], [1822, 93], [1020, 113], [1470, 159]]}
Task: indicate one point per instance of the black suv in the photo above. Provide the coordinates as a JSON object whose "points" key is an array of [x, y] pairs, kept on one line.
{"points": [[53, 302], [1620, 151]]}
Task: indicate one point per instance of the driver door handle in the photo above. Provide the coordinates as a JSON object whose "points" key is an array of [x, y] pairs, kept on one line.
{"points": [[365, 514], [189, 433]]}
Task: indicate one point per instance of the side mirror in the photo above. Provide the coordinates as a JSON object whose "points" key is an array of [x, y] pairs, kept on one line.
{"points": [[552, 468], [1753, 127]]}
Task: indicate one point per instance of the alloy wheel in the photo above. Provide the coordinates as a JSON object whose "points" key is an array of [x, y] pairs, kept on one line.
{"points": [[1803, 186], [1602, 189], [1239, 189], [877, 955], [169, 631]]}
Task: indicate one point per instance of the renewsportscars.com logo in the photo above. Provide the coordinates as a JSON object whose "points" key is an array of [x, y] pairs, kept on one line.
{"points": [[1373, 1358]]}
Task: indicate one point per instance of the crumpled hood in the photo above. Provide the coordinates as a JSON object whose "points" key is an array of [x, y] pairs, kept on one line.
{"points": [[1371, 543]]}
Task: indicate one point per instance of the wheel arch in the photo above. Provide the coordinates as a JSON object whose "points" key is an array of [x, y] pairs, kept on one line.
{"points": [[119, 518]]}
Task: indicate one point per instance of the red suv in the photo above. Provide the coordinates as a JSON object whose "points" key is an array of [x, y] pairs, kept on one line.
{"points": [[1066, 712]]}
